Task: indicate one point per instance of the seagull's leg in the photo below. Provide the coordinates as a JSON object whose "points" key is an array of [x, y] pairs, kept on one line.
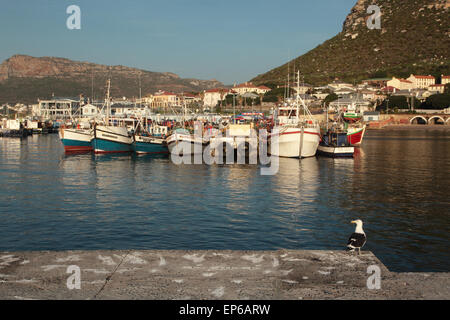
{"points": [[359, 251]]}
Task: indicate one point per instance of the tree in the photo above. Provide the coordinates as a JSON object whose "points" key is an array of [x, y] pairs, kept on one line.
{"points": [[447, 88], [330, 98], [399, 102], [437, 101]]}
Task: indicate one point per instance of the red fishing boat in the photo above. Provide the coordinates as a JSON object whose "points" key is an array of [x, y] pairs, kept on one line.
{"points": [[355, 134]]}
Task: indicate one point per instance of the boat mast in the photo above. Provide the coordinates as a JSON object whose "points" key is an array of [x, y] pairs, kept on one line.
{"points": [[108, 105], [184, 110], [298, 95]]}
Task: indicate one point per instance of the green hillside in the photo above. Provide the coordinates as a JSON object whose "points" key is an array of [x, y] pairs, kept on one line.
{"points": [[414, 38]]}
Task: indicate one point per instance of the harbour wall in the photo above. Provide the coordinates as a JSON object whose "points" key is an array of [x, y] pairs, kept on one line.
{"points": [[211, 275]]}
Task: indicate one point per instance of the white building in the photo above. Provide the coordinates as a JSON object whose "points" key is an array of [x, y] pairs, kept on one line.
{"points": [[400, 84], [89, 110], [250, 87], [371, 116], [422, 82], [57, 108], [212, 97], [337, 84], [445, 79], [437, 88]]}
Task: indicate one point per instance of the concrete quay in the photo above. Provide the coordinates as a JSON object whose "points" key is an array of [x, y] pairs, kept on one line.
{"points": [[210, 275]]}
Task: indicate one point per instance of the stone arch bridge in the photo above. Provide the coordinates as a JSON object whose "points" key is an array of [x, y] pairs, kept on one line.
{"points": [[430, 119]]}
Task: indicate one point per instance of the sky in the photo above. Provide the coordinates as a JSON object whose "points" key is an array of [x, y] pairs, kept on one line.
{"points": [[231, 41]]}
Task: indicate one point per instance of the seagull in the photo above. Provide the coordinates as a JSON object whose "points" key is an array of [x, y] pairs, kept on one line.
{"points": [[358, 238]]}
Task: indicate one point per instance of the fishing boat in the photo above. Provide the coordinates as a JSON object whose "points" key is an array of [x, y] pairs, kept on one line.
{"points": [[235, 138], [149, 145], [298, 135], [112, 136], [150, 140], [335, 144], [355, 134], [183, 142], [352, 117], [76, 140], [111, 139]]}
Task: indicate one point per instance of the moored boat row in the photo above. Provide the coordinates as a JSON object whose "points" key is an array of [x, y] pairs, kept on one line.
{"points": [[292, 133]]}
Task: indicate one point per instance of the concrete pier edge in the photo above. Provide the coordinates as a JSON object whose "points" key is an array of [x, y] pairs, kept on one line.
{"points": [[210, 275]]}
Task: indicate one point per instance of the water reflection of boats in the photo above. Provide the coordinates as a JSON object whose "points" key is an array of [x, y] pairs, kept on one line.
{"points": [[297, 181]]}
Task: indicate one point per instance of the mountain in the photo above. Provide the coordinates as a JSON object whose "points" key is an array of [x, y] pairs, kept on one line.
{"points": [[25, 79], [414, 38]]}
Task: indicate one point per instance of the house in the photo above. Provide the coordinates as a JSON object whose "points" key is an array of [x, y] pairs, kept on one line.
{"points": [[89, 110], [188, 98], [262, 90], [250, 87], [57, 108], [370, 95], [445, 79], [147, 100], [420, 94], [388, 90], [422, 82], [344, 91], [377, 82], [338, 84], [437, 88], [212, 97], [164, 99], [371, 116], [400, 84], [358, 102]]}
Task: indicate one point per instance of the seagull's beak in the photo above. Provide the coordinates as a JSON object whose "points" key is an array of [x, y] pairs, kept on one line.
{"points": [[354, 221]]}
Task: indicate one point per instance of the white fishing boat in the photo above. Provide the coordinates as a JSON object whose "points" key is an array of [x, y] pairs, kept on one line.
{"points": [[182, 142], [297, 133]]}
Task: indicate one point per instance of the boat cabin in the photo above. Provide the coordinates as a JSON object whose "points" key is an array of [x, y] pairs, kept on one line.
{"points": [[335, 139]]}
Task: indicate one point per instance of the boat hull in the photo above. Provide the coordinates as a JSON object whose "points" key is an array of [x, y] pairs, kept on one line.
{"points": [[149, 145], [355, 135], [182, 144], [289, 142], [76, 140], [335, 152], [109, 139]]}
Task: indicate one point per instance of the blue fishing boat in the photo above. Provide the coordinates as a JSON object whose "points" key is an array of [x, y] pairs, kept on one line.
{"points": [[335, 144], [149, 144], [76, 140], [111, 139]]}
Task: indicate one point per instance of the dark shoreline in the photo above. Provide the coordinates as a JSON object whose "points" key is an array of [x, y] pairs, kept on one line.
{"points": [[414, 127]]}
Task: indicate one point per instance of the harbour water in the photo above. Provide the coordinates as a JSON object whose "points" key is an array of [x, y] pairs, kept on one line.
{"points": [[398, 183]]}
